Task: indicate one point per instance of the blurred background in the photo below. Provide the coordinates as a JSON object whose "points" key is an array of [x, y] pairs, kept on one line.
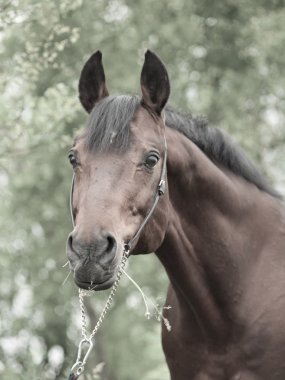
{"points": [[225, 60]]}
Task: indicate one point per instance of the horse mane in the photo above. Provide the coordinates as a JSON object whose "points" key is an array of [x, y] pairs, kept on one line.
{"points": [[108, 128], [218, 146]]}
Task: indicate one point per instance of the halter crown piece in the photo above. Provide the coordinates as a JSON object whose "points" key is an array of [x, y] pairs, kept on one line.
{"points": [[79, 365]]}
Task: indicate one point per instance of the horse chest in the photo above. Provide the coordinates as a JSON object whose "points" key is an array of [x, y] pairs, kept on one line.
{"points": [[197, 361], [257, 353]]}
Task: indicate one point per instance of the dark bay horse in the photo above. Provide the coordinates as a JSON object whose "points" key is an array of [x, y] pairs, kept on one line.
{"points": [[219, 229]]}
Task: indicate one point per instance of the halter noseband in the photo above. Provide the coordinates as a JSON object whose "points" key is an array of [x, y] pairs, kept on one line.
{"points": [[159, 192]]}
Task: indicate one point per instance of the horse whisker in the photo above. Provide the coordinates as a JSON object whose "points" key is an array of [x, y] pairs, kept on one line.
{"points": [[92, 287], [66, 278], [64, 265]]}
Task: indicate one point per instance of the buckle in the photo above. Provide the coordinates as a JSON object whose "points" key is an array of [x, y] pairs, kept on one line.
{"points": [[161, 187]]}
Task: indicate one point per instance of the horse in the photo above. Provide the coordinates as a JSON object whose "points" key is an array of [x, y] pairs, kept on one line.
{"points": [[160, 181]]}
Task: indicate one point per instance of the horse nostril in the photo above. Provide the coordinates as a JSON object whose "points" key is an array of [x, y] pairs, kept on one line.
{"points": [[69, 241], [71, 251], [111, 242]]}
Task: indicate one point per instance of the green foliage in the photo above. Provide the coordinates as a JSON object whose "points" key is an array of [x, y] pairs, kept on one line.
{"points": [[225, 61]]}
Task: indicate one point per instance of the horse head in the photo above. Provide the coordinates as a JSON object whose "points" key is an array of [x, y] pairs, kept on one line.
{"points": [[119, 164]]}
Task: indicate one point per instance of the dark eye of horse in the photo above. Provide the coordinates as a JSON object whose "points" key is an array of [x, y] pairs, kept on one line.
{"points": [[151, 160], [72, 159]]}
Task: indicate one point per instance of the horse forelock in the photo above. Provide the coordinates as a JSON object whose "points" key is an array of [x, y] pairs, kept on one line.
{"points": [[108, 126]]}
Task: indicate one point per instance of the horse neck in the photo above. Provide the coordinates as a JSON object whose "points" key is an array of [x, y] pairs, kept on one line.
{"points": [[210, 214]]}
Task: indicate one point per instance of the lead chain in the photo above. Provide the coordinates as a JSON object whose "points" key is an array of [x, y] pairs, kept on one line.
{"points": [[108, 304], [79, 365]]}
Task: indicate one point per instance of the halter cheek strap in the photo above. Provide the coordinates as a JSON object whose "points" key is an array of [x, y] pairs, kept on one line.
{"points": [[70, 200], [161, 188]]}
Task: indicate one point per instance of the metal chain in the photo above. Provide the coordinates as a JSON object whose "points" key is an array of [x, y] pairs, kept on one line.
{"points": [[79, 365], [108, 302]]}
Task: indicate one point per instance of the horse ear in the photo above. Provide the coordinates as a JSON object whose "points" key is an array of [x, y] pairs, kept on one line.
{"points": [[155, 84], [92, 85]]}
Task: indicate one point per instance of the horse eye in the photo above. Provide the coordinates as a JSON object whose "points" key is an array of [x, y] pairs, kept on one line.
{"points": [[151, 160], [72, 159]]}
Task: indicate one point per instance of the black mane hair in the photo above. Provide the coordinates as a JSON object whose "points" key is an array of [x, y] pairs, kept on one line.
{"points": [[108, 128], [219, 147]]}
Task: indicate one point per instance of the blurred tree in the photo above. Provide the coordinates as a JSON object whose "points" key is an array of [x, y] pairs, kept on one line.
{"points": [[225, 61]]}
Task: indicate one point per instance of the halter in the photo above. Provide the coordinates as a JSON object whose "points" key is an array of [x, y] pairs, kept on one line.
{"points": [[79, 365]]}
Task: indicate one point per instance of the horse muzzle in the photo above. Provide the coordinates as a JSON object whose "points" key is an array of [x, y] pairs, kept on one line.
{"points": [[94, 264]]}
